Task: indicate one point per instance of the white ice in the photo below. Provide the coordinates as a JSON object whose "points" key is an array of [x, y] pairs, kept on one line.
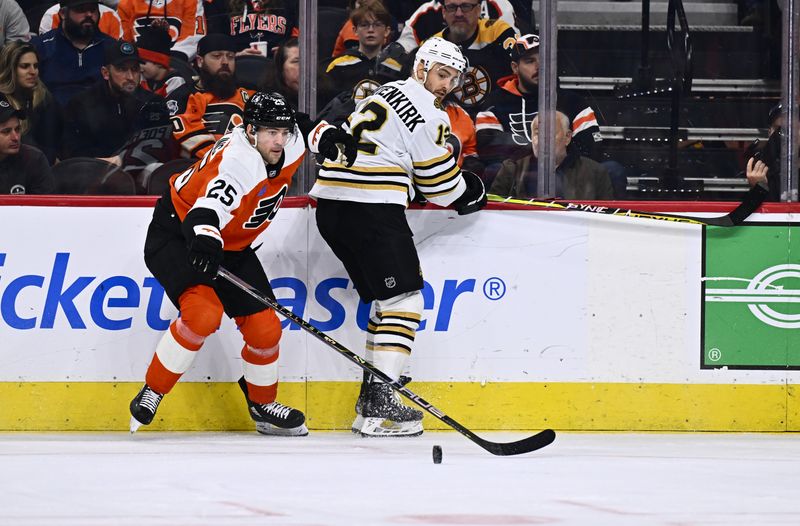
{"points": [[221, 479]]}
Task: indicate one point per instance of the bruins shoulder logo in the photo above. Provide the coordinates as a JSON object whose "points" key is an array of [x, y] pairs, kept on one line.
{"points": [[475, 87]]}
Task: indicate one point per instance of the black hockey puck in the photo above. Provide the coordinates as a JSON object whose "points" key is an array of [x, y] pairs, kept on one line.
{"points": [[437, 454]]}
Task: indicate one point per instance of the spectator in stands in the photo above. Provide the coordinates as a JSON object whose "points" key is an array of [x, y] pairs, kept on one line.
{"points": [[23, 168], [259, 27], [71, 55], [154, 46], [217, 107], [13, 24], [99, 121], [427, 20], [462, 140], [285, 77], [577, 177], [503, 124], [183, 19], [486, 43], [348, 38], [769, 153], [360, 71], [109, 22], [20, 83]]}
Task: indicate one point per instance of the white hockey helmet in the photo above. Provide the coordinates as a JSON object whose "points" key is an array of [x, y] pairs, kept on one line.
{"points": [[438, 50]]}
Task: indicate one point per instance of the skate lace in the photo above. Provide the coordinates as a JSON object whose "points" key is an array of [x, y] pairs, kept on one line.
{"points": [[150, 400], [277, 409]]}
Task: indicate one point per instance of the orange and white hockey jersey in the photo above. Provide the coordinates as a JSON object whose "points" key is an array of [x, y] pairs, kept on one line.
{"points": [[462, 141], [207, 118], [109, 23], [185, 17], [233, 181]]}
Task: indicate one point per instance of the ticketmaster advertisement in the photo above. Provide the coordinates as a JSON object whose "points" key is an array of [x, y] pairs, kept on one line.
{"points": [[531, 319], [751, 297]]}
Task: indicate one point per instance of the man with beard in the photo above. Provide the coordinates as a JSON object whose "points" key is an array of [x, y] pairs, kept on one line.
{"points": [[218, 105], [70, 56], [99, 121], [486, 43]]}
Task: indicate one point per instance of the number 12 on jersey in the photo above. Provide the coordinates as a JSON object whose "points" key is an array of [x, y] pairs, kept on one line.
{"points": [[375, 115]]}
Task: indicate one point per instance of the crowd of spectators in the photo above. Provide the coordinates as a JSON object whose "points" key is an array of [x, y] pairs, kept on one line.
{"points": [[138, 84]]}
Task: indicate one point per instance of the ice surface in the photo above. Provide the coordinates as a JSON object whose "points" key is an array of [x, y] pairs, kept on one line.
{"points": [[225, 479]]}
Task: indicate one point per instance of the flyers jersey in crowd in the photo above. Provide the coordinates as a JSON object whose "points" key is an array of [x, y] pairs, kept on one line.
{"points": [[109, 23], [462, 141], [233, 181], [184, 17], [207, 118]]}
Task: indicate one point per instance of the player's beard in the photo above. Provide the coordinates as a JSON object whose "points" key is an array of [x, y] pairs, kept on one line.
{"points": [[222, 86], [79, 31]]}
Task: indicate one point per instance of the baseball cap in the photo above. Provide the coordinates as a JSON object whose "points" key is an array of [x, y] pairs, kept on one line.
{"points": [[119, 51], [7, 110], [525, 44], [154, 45], [216, 42], [73, 3]]}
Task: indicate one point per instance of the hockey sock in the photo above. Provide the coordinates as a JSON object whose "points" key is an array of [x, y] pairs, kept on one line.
{"points": [[173, 357], [261, 373], [398, 320]]}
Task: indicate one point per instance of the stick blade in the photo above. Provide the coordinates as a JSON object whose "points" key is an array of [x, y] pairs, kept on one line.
{"points": [[526, 445]]}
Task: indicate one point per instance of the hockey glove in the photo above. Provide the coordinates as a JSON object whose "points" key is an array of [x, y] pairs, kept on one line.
{"points": [[473, 198], [204, 241], [330, 142]]}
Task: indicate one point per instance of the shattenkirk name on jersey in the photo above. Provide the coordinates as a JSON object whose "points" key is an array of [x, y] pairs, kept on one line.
{"points": [[402, 105]]}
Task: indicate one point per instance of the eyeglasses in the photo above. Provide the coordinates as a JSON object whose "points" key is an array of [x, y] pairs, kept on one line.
{"points": [[367, 25], [465, 8]]}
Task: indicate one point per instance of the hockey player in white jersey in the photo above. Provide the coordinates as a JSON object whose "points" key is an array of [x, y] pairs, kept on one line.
{"points": [[402, 132]]}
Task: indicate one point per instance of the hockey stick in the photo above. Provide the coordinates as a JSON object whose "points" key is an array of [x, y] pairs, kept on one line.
{"points": [[752, 200], [526, 445]]}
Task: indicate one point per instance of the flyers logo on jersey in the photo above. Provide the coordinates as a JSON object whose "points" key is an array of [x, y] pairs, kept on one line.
{"points": [[266, 209], [175, 24]]}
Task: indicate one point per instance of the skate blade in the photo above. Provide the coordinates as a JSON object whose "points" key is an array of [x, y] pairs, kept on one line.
{"points": [[381, 427], [265, 428], [135, 425]]}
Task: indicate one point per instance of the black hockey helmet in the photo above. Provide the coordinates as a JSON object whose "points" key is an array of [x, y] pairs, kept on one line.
{"points": [[270, 110]]}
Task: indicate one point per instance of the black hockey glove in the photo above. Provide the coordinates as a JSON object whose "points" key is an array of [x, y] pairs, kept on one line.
{"points": [[329, 143], [473, 198], [203, 240]]}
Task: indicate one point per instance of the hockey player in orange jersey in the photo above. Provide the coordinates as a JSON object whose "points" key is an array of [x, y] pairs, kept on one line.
{"points": [[210, 215]]}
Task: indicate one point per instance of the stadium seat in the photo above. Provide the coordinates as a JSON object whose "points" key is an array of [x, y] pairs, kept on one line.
{"points": [[329, 22], [90, 176], [184, 69], [159, 180], [251, 70]]}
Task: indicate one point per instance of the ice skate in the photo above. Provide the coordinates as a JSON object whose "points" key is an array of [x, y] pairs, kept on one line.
{"points": [[384, 414], [144, 407], [275, 418], [359, 421]]}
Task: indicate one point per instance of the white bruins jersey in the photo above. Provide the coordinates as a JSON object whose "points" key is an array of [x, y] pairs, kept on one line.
{"points": [[402, 134]]}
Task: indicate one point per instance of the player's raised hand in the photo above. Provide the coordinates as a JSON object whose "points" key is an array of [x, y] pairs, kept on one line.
{"points": [[336, 142]]}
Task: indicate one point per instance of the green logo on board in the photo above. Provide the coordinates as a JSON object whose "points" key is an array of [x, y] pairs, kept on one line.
{"points": [[751, 297]]}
